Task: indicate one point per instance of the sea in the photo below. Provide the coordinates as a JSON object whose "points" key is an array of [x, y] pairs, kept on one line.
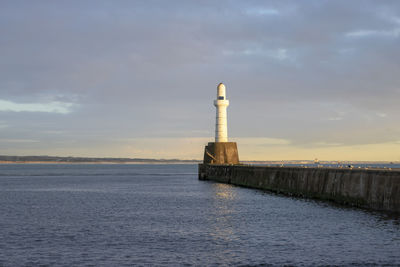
{"points": [[162, 215]]}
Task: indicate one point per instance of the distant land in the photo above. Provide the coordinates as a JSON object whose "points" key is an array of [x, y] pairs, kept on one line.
{"points": [[109, 160], [55, 159]]}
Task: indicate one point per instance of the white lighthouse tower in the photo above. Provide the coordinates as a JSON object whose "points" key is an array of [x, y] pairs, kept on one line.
{"points": [[221, 124], [221, 151]]}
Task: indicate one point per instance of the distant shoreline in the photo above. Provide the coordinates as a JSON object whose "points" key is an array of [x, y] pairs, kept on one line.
{"points": [[107, 160], [98, 162], [84, 160]]}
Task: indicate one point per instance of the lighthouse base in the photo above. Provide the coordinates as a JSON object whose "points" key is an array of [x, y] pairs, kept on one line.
{"points": [[221, 153]]}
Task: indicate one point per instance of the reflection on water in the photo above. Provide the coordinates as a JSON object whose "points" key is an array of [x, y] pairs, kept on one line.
{"points": [[224, 211], [222, 220], [224, 191]]}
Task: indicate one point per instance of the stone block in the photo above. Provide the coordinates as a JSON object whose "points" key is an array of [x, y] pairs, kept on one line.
{"points": [[221, 153]]}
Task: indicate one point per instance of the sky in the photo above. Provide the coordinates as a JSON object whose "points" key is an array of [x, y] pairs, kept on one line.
{"points": [[305, 79]]}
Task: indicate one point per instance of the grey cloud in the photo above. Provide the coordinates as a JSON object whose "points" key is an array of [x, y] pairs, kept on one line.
{"points": [[144, 68]]}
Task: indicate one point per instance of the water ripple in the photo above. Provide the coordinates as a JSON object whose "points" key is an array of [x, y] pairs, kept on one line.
{"points": [[163, 216]]}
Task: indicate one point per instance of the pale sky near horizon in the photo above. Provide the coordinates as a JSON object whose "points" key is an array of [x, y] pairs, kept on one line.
{"points": [[305, 79]]}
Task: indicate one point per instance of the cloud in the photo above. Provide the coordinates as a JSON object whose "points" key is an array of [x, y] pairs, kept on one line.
{"points": [[277, 54], [52, 107], [394, 32], [8, 140], [261, 141], [371, 33], [335, 119], [381, 114], [260, 11], [326, 144], [150, 69], [3, 125]]}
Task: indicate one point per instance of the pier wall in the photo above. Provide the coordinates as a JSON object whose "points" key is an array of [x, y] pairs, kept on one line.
{"points": [[374, 189]]}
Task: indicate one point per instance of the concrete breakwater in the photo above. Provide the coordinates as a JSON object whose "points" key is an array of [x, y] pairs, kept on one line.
{"points": [[377, 189]]}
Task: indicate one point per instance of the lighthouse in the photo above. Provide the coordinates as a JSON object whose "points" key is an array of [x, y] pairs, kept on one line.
{"points": [[221, 151], [221, 123]]}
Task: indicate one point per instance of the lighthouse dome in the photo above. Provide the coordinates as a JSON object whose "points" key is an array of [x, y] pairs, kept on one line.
{"points": [[221, 90]]}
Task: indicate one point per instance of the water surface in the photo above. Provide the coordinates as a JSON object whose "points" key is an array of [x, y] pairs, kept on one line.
{"points": [[115, 215]]}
